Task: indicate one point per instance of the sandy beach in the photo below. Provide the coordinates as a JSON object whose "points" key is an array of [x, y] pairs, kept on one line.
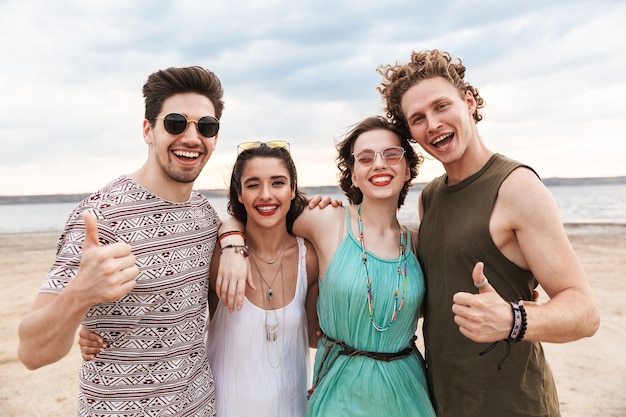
{"points": [[590, 373]]}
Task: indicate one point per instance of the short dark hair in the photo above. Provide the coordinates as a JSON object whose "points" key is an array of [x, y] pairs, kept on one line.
{"points": [[165, 83]]}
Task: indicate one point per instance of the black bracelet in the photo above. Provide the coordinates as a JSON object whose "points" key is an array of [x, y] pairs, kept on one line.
{"points": [[522, 310], [242, 249], [519, 322]]}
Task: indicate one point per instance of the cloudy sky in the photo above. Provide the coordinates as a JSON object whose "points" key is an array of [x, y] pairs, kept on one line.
{"points": [[552, 72]]}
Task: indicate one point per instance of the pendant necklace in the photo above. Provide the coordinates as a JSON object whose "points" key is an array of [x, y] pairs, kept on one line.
{"points": [[274, 350], [269, 294], [401, 272], [271, 326], [272, 322]]}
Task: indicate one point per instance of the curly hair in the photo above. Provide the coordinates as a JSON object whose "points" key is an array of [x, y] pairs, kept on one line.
{"points": [[237, 209], [345, 160], [399, 78]]}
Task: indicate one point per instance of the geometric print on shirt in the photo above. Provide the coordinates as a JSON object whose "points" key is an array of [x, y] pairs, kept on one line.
{"points": [[156, 363]]}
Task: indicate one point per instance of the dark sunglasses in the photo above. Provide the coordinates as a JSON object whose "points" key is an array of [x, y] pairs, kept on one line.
{"points": [[176, 123], [271, 144], [391, 155]]}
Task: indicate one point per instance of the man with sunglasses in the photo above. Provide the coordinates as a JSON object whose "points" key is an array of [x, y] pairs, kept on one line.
{"points": [[482, 337], [132, 265]]}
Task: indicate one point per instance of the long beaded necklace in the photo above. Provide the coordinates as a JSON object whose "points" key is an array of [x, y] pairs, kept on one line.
{"points": [[398, 303]]}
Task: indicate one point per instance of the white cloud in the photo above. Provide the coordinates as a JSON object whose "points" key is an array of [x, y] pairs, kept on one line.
{"points": [[552, 74]]}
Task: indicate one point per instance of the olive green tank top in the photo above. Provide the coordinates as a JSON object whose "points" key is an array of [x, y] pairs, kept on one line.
{"points": [[453, 236]]}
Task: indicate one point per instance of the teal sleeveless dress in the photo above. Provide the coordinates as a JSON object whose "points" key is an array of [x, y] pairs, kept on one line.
{"points": [[359, 385]]}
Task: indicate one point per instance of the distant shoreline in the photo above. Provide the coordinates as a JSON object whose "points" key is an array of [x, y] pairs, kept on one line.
{"points": [[313, 190], [572, 229]]}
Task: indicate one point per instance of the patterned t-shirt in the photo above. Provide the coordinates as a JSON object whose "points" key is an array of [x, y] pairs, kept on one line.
{"points": [[156, 363]]}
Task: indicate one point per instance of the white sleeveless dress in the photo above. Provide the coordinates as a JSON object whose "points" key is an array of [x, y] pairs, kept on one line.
{"points": [[255, 377]]}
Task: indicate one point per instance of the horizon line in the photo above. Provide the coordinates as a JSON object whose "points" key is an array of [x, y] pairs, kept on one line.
{"points": [[551, 181]]}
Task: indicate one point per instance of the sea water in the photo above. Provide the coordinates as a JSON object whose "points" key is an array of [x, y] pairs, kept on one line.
{"points": [[604, 203]]}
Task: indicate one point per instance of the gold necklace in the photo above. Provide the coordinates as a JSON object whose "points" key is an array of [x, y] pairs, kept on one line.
{"points": [[271, 261], [269, 294]]}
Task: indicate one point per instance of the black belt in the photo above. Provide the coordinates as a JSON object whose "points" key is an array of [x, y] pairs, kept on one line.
{"points": [[350, 351], [379, 356]]}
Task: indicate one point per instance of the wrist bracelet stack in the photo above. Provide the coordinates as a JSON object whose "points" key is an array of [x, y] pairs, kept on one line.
{"points": [[519, 322], [517, 332], [230, 233]]}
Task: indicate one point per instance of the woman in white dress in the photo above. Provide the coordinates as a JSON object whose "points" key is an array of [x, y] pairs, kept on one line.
{"points": [[259, 355]]}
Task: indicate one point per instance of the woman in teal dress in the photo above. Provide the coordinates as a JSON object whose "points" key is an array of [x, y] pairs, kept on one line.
{"points": [[372, 287]]}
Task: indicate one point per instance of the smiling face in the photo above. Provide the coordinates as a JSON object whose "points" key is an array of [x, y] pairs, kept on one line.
{"points": [[440, 118], [379, 179], [266, 191], [177, 159]]}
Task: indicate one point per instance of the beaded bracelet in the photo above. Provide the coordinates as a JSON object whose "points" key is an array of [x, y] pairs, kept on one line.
{"points": [[517, 332], [522, 310], [230, 233], [519, 322], [242, 249]]}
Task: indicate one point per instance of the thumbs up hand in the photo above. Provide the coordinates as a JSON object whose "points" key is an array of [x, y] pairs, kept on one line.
{"points": [[106, 273], [484, 317], [480, 280]]}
